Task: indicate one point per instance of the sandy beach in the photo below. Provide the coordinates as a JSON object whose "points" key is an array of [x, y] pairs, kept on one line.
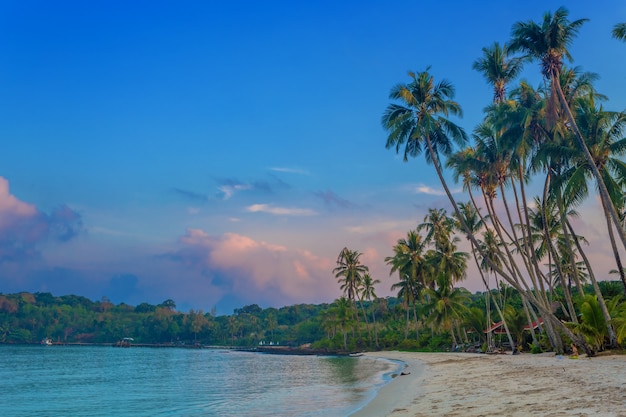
{"points": [[466, 384]]}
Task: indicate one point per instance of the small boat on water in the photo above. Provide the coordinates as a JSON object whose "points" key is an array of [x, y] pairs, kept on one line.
{"points": [[46, 341], [124, 342]]}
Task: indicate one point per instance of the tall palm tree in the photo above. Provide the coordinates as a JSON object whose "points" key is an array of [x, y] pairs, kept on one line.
{"points": [[410, 263], [439, 228], [549, 43], [498, 68], [604, 133], [420, 120], [368, 292], [349, 273], [406, 292], [341, 312]]}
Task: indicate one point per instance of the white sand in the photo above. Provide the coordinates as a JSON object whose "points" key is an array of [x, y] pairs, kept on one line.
{"points": [[466, 384]]}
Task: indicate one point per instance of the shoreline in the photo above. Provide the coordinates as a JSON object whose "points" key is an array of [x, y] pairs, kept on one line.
{"points": [[472, 384]]}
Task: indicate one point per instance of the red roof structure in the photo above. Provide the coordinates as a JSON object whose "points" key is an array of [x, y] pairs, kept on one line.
{"points": [[498, 328]]}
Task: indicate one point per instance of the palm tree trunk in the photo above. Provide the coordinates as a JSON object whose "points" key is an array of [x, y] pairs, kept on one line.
{"points": [[367, 325], [417, 334], [596, 288], [604, 193], [545, 311], [406, 330], [568, 244], [618, 260], [530, 320], [571, 311], [375, 328]]}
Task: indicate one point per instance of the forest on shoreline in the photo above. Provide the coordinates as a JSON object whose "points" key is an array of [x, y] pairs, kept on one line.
{"points": [[29, 318]]}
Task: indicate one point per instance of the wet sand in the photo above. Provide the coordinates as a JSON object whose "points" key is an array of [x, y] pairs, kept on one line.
{"points": [[466, 384]]}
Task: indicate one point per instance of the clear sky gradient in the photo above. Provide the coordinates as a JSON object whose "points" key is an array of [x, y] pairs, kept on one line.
{"points": [[223, 153]]}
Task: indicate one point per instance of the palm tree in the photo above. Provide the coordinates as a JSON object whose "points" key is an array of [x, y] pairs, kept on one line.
{"points": [[619, 31], [341, 312], [421, 121], [271, 323], [604, 133], [549, 42], [444, 307], [498, 69], [349, 272], [409, 262], [368, 292], [592, 325]]}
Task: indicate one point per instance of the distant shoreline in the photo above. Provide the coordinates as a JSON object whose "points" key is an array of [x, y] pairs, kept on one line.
{"points": [[277, 350]]}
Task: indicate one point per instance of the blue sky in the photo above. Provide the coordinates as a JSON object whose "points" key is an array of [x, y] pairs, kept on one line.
{"points": [[222, 153]]}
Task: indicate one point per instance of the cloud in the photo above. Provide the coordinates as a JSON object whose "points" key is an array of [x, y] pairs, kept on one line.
{"points": [[229, 190], [190, 195], [23, 228], [424, 189], [332, 199], [290, 170], [280, 211], [65, 223], [257, 271]]}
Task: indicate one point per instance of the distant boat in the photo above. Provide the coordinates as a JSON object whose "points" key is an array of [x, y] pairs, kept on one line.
{"points": [[124, 342], [46, 341]]}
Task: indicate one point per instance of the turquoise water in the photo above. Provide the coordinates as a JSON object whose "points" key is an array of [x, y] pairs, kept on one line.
{"points": [[104, 381]]}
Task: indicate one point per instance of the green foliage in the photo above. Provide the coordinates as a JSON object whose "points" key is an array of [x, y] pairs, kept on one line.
{"points": [[535, 348], [28, 318]]}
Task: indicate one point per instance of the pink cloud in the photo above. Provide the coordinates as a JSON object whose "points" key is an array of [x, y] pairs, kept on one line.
{"points": [[11, 208], [257, 271], [23, 227]]}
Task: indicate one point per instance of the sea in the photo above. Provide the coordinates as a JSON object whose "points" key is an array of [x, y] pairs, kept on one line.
{"points": [[105, 381]]}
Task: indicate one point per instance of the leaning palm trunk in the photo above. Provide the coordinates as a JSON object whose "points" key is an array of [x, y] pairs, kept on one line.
{"points": [[618, 260], [406, 330], [488, 298], [417, 334], [367, 325], [596, 288], [604, 193], [544, 309], [568, 245], [375, 328], [530, 319], [537, 276], [571, 311]]}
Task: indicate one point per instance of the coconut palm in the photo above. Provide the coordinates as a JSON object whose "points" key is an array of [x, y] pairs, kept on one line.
{"points": [[409, 262], [342, 316], [420, 120], [407, 293], [498, 68], [592, 324], [349, 273], [368, 292], [549, 43], [604, 133], [444, 307]]}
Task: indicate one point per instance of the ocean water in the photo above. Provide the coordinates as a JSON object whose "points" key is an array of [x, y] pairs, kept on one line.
{"points": [[104, 381]]}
